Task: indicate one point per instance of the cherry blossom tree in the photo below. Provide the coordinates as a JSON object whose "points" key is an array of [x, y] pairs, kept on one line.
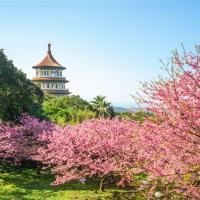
{"points": [[21, 142], [8, 148], [170, 144], [97, 148]]}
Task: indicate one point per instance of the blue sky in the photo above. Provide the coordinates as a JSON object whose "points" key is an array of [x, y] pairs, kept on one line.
{"points": [[107, 46]]}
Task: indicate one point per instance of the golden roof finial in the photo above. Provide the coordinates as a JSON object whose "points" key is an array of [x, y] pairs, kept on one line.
{"points": [[49, 46]]}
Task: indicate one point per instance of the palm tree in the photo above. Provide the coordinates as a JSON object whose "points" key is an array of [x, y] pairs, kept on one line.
{"points": [[102, 107]]}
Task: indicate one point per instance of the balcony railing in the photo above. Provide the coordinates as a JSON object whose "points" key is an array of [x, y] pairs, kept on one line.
{"points": [[46, 76], [42, 78], [53, 88]]}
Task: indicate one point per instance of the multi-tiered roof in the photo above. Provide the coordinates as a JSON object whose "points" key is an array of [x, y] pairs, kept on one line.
{"points": [[48, 60], [49, 75]]}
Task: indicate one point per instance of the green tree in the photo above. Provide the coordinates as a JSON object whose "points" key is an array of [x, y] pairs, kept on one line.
{"points": [[67, 110], [102, 108], [138, 116], [17, 93]]}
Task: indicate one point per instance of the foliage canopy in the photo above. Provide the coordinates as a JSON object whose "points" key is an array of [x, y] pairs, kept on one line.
{"points": [[17, 93], [67, 110]]}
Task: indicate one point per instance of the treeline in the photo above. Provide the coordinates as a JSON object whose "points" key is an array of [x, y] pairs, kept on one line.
{"points": [[20, 95], [73, 109]]}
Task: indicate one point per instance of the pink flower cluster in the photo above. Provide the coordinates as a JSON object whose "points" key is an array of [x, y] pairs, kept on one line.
{"points": [[94, 148], [171, 141], [18, 142]]}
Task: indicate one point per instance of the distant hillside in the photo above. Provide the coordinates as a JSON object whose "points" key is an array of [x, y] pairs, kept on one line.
{"points": [[122, 109]]}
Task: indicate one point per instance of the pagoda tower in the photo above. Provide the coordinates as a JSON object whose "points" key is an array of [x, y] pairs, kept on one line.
{"points": [[49, 75]]}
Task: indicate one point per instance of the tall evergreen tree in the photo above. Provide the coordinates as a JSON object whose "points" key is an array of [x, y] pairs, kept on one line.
{"points": [[17, 93]]}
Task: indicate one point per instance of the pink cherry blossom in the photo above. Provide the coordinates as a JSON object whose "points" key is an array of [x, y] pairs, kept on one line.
{"points": [[170, 144], [94, 148]]}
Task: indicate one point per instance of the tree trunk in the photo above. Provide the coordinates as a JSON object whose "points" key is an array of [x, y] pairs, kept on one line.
{"points": [[101, 187], [39, 167]]}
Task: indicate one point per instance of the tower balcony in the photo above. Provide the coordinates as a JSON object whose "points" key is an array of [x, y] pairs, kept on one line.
{"points": [[59, 92], [62, 79]]}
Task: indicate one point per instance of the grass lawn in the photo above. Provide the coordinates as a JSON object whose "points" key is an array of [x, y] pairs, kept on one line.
{"points": [[26, 185]]}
